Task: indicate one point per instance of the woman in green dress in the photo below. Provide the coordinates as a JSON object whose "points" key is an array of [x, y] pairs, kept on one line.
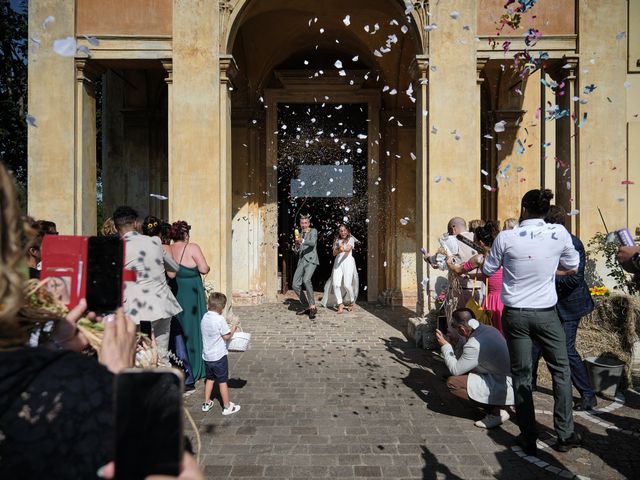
{"points": [[189, 292]]}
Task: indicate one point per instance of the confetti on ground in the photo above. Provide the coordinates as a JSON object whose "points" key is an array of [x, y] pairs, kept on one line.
{"points": [[347, 20], [404, 221], [500, 126], [31, 120], [583, 121], [621, 35], [437, 178], [573, 213], [158, 196], [628, 182], [455, 15]]}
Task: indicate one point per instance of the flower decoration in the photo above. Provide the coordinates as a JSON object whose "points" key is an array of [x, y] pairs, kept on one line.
{"points": [[599, 291]]}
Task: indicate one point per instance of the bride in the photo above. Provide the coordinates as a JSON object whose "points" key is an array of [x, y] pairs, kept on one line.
{"points": [[344, 277]]}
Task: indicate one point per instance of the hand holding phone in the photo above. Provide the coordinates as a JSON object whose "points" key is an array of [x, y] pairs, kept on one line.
{"points": [[149, 430]]}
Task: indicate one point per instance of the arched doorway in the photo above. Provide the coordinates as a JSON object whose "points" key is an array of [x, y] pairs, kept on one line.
{"points": [[299, 56]]}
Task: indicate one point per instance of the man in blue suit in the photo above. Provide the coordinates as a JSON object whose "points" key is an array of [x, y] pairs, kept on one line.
{"points": [[574, 302]]}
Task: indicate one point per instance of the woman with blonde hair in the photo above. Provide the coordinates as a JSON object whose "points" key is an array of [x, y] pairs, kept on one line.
{"points": [[56, 405]]}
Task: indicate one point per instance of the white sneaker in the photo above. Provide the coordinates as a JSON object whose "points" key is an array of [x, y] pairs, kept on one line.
{"points": [[492, 421], [231, 409], [207, 406]]}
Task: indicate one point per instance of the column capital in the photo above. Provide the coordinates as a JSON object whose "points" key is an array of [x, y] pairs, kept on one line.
{"points": [[167, 64], [88, 71], [481, 62], [228, 69], [568, 73], [419, 67]]}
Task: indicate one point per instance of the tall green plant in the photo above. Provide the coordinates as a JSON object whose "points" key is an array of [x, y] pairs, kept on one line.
{"points": [[599, 246]]}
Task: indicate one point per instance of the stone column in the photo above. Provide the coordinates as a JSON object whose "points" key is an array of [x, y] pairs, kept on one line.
{"points": [[601, 158], [87, 73], [567, 139], [228, 70], [421, 67], [454, 105], [52, 95], [199, 180]]}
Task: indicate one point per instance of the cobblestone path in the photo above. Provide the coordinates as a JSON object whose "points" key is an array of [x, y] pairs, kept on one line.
{"points": [[347, 396]]}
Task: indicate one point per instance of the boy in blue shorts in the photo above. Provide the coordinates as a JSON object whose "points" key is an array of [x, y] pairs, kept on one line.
{"points": [[215, 334]]}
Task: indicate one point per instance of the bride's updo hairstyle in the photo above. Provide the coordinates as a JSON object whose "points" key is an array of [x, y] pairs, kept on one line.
{"points": [[537, 202]]}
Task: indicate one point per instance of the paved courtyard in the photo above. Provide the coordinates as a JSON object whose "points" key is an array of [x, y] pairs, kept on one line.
{"points": [[347, 396]]}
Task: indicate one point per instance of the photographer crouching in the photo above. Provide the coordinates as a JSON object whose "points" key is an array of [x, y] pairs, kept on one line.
{"points": [[481, 374]]}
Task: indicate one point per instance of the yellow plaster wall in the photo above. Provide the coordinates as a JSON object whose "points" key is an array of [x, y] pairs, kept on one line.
{"points": [[139, 18], [603, 138], [454, 104], [52, 90]]}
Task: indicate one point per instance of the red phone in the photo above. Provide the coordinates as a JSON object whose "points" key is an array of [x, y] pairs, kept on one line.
{"points": [[85, 267]]}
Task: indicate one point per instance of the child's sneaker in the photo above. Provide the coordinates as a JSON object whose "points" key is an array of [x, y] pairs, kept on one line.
{"points": [[231, 409], [207, 406]]}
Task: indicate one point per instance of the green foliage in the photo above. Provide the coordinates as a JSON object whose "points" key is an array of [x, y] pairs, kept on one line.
{"points": [[13, 88], [599, 246]]}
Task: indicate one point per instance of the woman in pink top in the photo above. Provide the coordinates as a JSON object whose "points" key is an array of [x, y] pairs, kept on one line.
{"points": [[485, 236]]}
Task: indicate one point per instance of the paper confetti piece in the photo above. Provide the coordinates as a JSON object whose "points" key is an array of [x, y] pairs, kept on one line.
{"points": [[47, 21], [404, 221], [65, 47], [583, 121], [489, 188], [484, 172], [455, 15], [338, 64], [627, 84], [158, 196], [573, 213], [31, 120], [621, 35], [437, 178], [347, 20], [628, 182], [500, 126], [413, 156]]}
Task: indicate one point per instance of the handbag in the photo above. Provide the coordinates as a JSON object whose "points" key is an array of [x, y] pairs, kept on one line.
{"points": [[480, 313]]}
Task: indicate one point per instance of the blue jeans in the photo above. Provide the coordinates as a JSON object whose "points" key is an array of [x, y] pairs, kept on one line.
{"points": [[579, 376]]}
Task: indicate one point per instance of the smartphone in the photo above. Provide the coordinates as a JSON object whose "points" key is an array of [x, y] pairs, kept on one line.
{"points": [[149, 423], [105, 257]]}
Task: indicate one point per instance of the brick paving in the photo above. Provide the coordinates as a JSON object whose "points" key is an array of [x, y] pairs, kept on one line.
{"points": [[347, 396]]}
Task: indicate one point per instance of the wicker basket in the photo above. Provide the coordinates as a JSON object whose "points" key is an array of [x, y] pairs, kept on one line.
{"points": [[239, 342]]}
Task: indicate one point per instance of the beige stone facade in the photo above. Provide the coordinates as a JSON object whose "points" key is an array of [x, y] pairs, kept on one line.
{"points": [[190, 99]]}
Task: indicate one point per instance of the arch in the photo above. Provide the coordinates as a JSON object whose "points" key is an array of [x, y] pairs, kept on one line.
{"points": [[239, 11]]}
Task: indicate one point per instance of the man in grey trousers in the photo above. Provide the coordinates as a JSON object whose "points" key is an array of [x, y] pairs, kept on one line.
{"points": [[531, 255], [307, 263]]}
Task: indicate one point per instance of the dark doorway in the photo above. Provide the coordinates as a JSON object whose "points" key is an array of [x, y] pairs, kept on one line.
{"points": [[322, 171]]}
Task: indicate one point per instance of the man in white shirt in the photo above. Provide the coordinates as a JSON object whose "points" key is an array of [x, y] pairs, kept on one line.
{"points": [[530, 255], [481, 374]]}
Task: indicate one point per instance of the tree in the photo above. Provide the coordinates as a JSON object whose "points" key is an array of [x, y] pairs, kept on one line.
{"points": [[13, 88]]}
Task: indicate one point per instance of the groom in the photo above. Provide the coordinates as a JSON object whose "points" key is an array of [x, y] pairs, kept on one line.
{"points": [[307, 263]]}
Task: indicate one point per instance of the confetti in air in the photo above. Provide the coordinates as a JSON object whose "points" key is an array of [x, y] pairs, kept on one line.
{"points": [[65, 47]]}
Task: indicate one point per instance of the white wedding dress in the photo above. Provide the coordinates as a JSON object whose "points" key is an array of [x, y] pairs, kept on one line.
{"points": [[342, 286]]}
